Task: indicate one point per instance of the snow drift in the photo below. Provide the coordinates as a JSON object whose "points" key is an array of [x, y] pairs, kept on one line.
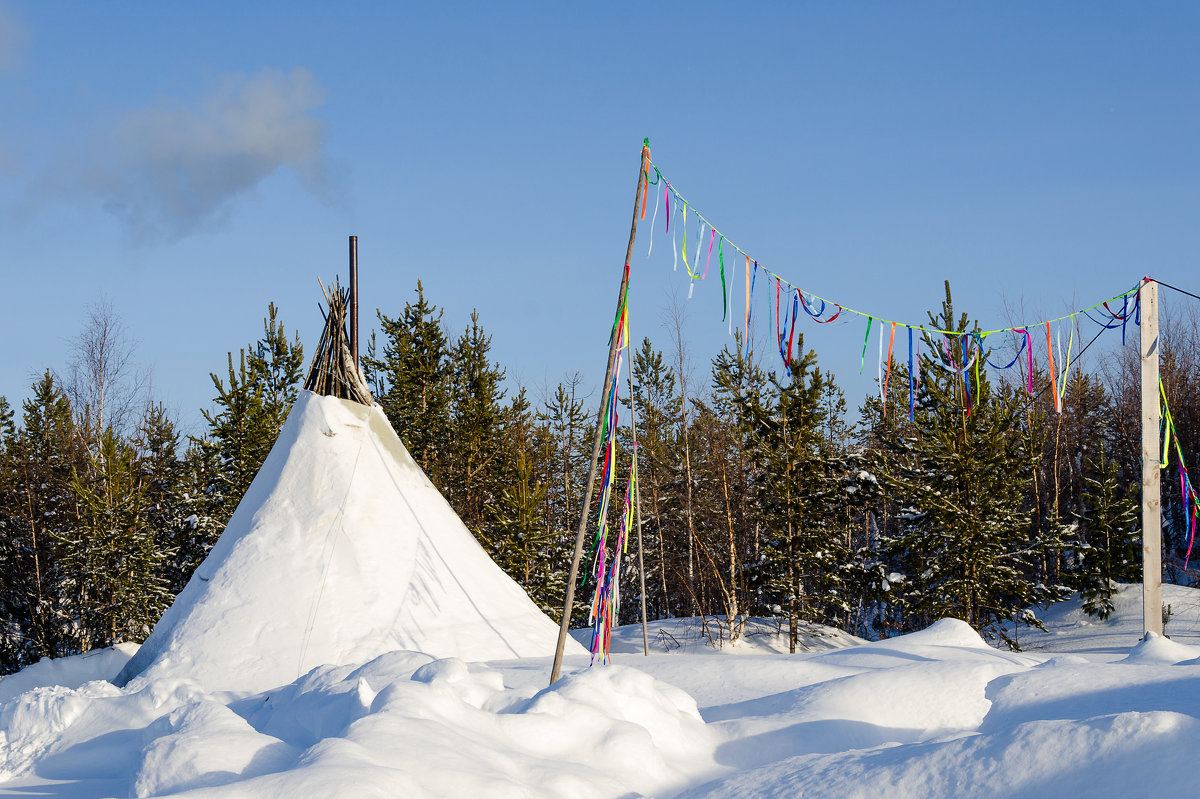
{"points": [[341, 550], [936, 714]]}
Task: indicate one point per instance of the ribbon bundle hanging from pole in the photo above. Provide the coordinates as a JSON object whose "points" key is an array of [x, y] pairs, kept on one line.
{"points": [[606, 601], [1187, 494]]}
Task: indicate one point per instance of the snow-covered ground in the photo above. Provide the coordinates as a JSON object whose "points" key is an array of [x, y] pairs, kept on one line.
{"points": [[1087, 709]]}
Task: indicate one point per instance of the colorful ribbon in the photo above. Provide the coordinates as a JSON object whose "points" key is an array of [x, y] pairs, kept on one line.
{"points": [[1188, 498], [911, 393], [863, 362], [1053, 380], [888, 378], [606, 598]]}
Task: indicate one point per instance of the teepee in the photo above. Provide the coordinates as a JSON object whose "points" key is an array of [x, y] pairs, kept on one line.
{"points": [[340, 551]]}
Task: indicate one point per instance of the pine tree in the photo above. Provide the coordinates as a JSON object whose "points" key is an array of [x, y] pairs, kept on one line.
{"points": [[277, 367], [111, 558], [39, 462], [963, 538], [1067, 441], [200, 518], [8, 428], [473, 456], [664, 531], [866, 587], [1112, 549], [794, 571], [734, 472], [517, 540], [412, 381], [11, 562], [176, 511], [239, 435], [565, 446], [252, 404]]}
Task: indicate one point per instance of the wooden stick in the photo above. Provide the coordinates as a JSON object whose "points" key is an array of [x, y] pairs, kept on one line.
{"points": [[596, 441]]}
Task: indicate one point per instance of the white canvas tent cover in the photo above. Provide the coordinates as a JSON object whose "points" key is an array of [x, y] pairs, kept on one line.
{"points": [[341, 550]]}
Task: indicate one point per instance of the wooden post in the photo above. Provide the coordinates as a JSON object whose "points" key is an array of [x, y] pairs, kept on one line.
{"points": [[1151, 467], [596, 441], [354, 299]]}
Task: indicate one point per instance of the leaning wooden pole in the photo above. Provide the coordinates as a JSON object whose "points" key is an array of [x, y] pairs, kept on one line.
{"points": [[1151, 455], [569, 601]]}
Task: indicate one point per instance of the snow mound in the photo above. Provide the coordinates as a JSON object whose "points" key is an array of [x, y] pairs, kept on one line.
{"points": [[1110, 756], [1070, 629], [68, 672], [693, 635], [931, 714], [341, 550], [401, 724], [204, 745], [91, 732], [1156, 649], [944, 632]]}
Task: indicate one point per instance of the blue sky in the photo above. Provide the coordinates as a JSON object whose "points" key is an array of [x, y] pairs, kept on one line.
{"points": [[192, 163]]}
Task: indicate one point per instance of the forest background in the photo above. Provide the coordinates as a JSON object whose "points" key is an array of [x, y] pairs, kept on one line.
{"points": [[764, 491]]}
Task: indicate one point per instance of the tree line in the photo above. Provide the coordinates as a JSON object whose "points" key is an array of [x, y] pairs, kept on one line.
{"points": [[762, 492]]}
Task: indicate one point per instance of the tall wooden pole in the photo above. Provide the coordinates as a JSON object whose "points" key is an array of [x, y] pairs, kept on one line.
{"points": [[1151, 467], [354, 298], [569, 601]]}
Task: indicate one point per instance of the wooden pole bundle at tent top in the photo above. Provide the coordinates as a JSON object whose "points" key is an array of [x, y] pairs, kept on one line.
{"points": [[334, 371]]}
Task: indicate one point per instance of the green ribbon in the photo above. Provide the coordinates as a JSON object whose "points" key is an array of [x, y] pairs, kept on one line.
{"points": [[684, 248], [724, 294], [866, 338]]}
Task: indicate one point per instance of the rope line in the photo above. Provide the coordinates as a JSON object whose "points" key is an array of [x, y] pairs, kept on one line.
{"points": [[1175, 288], [669, 190]]}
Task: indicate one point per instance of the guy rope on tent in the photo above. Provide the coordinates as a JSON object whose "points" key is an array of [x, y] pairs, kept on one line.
{"points": [[962, 353]]}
